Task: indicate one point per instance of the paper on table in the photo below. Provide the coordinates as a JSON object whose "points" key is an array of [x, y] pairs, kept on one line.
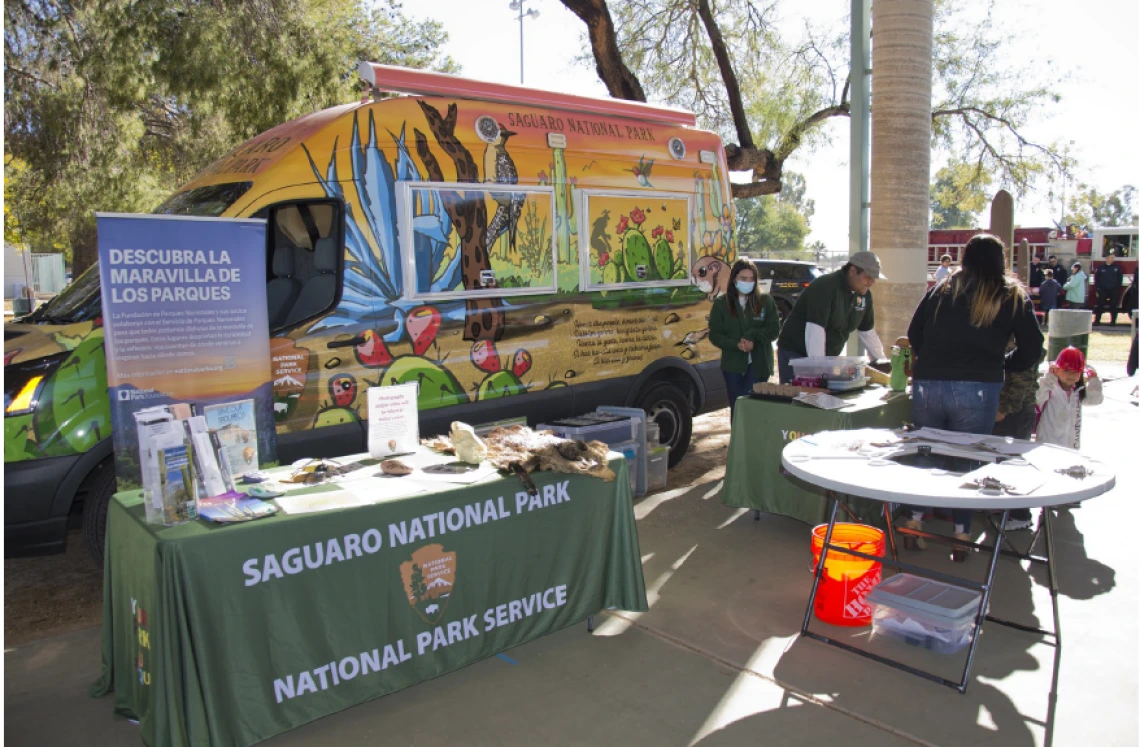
{"points": [[314, 502], [822, 401]]}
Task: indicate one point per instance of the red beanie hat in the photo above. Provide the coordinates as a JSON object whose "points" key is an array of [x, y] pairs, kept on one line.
{"points": [[1070, 359]]}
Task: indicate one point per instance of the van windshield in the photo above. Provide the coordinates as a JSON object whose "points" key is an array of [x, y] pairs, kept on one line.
{"points": [[78, 302], [205, 201]]}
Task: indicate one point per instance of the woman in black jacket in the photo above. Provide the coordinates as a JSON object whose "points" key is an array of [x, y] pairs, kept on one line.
{"points": [[958, 335]]}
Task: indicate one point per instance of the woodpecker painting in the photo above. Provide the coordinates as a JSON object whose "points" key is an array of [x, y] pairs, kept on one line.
{"points": [[499, 167]]}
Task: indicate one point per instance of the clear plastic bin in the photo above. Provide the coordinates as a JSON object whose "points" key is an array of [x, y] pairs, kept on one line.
{"points": [[657, 466], [652, 434], [833, 367], [923, 612], [842, 385], [609, 431]]}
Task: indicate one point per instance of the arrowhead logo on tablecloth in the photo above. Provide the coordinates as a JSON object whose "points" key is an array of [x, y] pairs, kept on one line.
{"points": [[429, 579]]}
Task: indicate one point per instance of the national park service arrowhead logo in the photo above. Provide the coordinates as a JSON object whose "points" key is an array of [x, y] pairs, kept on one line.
{"points": [[429, 578]]}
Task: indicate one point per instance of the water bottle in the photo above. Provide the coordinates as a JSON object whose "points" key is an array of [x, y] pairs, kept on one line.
{"points": [[898, 368]]}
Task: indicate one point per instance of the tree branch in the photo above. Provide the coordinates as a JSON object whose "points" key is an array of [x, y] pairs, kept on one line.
{"points": [[756, 189], [727, 74], [612, 70], [795, 136]]}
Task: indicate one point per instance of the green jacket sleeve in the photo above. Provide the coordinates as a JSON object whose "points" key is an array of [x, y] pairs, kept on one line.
{"points": [[718, 326], [766, 331]]}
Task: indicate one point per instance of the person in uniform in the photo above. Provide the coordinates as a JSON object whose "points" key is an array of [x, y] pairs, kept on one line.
{"points": [[828, 311]]}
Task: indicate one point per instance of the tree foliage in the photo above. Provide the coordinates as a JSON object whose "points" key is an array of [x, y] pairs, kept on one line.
{"points": [[1088, 208], [958, 195], [776, 225], [110, 106], [727, 61]]}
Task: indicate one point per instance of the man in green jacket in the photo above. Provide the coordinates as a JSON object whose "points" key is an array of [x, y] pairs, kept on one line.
{"points": [[828, 311], [743, 324]]}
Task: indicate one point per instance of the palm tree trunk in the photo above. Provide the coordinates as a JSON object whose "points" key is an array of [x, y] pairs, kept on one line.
{"points": [[900, 156]]}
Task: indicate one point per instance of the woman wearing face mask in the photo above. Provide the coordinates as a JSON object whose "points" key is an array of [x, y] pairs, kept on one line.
{"points": [[744, 323]]}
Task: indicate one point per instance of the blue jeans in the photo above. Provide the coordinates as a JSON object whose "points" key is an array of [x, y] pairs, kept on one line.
{"points": [[737, 385], [784, 363], [963, 406]]}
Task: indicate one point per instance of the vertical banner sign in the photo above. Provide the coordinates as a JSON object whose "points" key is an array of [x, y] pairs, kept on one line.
{"points": [[185, 322]]}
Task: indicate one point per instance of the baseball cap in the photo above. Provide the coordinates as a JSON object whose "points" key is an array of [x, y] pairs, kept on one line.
{"points": [[1070, 359], [868, 263]]}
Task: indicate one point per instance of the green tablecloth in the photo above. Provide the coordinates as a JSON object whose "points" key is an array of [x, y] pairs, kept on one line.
{"points": [[762, 428], [227, 635]]}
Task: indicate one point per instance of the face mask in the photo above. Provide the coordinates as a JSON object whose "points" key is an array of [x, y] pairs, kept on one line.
{"points": [[744, 287]]}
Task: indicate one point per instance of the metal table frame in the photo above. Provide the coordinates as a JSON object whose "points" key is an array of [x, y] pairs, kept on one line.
{"points": [[985, 588]]}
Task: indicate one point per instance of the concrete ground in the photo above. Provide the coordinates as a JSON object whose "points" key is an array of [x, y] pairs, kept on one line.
{"points": [[717, 659]]}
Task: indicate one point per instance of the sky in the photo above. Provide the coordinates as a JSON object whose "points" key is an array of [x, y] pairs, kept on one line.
{"points": [[1096, 52]]}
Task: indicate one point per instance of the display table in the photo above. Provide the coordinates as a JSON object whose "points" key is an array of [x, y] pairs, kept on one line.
{"points": [[870, 464], [230, 634], [762, 428]]}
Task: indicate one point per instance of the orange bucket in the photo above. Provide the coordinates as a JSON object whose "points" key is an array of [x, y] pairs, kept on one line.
{"points": [[847, 579]]}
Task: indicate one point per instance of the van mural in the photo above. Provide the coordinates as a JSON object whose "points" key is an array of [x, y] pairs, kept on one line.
{"points": [[495, 246], [496, 240]]}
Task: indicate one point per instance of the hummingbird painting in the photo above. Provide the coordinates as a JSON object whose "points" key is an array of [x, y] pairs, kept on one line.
{"points": [[642, 171]]}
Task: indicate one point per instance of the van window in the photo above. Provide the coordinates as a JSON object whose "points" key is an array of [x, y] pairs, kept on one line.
{"points": [[635, 239], [204, 201], [520, 240], [304, 260]]}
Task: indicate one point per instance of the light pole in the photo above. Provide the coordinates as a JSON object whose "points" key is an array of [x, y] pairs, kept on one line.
{"points": [[532, 13]]}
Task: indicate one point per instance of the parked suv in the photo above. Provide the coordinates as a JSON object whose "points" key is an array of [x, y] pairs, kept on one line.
{"points": [[788, 278]]}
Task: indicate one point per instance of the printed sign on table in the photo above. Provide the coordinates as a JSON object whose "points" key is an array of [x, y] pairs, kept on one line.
{"points": [[185, 323]]}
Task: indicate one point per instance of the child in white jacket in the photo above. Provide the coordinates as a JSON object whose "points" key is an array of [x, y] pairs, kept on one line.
{"points": [[1059, 397]]}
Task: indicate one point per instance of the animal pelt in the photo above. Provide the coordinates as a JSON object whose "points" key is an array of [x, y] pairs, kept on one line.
{"points": [[521, 450]]}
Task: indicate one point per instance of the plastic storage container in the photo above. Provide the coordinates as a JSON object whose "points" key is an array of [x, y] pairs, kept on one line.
{"points": [[631, 450], [835, 368], [609, 430], [923, 612], [652, 434], [640, 421], [657, 467]]}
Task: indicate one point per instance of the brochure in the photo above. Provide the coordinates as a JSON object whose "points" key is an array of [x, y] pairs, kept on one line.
{"points": [[234, 508], [393, 420], [236, 426], [177, 498], [211, 477]]}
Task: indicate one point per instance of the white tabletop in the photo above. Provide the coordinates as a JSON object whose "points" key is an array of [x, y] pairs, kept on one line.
{"points": [[855, 463]]}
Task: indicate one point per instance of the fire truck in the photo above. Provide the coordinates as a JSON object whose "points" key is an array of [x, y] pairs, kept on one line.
{"points": [[1089, 249]]}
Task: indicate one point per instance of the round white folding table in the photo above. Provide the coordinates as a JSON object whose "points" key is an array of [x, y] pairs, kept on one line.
{"points": [[1016, 474]]}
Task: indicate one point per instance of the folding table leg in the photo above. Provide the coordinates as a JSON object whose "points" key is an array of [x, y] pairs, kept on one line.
{"points": [[890, 531], [983, 606], [1047, 519], [818, 575]]}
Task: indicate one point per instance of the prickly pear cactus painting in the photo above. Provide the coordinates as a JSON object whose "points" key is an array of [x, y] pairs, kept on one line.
{"points": [[647, 244]]}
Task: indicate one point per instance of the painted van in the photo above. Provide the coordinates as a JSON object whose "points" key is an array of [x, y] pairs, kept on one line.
{"points": [[514, 252]]}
